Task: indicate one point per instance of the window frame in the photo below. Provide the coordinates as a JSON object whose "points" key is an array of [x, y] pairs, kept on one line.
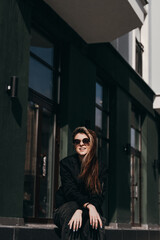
{"points": [[139, 57], [51, 105], [136, 154]]}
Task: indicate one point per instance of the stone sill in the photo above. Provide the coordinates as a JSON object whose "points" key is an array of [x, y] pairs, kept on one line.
{"points": [[120, 226]]}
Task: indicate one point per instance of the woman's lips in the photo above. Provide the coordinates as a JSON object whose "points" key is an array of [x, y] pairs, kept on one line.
{"points": [[82, 149]]}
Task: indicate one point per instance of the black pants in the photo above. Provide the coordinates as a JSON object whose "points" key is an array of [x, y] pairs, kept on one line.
{"points": [[62, 217]]}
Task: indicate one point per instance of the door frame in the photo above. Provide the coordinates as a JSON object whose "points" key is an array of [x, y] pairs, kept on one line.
{"points": [[53, 107], [135, 154]]}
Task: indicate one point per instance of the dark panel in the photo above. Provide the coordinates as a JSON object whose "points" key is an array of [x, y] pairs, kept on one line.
{"points": [[154, 235], [129, 235], [142, 235], [114, 235], [36, 234], [6, 233], [121, 163], [152, 172], [14, 49]]}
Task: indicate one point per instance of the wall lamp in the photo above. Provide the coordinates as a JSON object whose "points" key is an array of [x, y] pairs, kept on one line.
{"points": [[12, 88], [127, 148]]}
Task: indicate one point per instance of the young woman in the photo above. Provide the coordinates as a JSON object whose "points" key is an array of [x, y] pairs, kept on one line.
{"points": [[79, 199]]}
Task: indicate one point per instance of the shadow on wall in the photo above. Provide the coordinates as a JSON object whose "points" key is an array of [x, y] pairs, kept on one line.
{"points": [[25, 9], [17, 111]]}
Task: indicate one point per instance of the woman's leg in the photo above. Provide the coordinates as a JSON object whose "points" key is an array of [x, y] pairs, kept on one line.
{"points": [[92, 234], [102, 230], [61, 217]]}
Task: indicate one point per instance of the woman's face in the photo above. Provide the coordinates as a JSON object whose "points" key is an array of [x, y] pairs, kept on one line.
{"points": [[81, 144]]}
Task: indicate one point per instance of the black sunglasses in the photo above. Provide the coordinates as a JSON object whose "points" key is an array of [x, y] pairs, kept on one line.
{"points": [[84, 140]]}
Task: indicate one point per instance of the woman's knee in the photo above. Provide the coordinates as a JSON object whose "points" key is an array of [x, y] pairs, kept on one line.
{"points": [[65, 212], [68, 208]]}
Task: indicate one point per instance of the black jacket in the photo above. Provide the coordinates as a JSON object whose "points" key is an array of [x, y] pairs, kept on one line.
{"points": [[73, 188]]}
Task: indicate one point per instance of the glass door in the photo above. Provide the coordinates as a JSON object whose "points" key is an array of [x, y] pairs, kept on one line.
{"points": [[135, 190], [39, 164], [31, 161], [41, 146], [135, 169], [102, 130], [45, 164]]}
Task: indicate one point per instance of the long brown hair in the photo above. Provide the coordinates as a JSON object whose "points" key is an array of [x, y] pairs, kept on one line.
{"points": [[89, 167]]}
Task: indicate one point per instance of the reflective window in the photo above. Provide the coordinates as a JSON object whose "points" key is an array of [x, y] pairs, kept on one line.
{"points": [[139, 57], [39, 163], [102, 129], [135, 139], [41, 68], [40, 78], [98, 119], [41, 47], [101, 110], [99, 94], [135, 167], [41, 179], [135, 130], [135, 120], [44, 53], [102, 120]]}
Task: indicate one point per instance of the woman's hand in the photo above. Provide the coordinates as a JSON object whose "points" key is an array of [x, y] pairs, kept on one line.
{"points": [[76, 220], [94, 217]]}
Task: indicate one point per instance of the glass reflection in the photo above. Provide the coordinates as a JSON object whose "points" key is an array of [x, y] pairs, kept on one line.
{"points": [[41, 78], [44, 53], [47, 167], [41, 47], [99, 94], [135, 120], [135, 136], [98, 118], [30, 162]]}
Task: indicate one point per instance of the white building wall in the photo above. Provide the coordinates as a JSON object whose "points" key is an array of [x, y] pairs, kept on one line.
{"points": [[154, 53], [133, 48], [122, 45], [145, 42], [126, 46]]}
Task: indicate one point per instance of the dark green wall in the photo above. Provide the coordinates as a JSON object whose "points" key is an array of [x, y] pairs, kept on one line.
{"points": [[119, 183], [122, 157], [116, 75], [144, 169], [152, 172], [112, 156], [78, 93], [80, 66], [14, 49], [130, 89]]}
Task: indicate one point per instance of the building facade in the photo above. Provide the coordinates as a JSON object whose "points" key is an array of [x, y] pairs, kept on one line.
{"points": [[57, 74]]}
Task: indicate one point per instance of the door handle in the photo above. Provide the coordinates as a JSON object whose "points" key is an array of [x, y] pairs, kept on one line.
{"points": [[44, 166]]}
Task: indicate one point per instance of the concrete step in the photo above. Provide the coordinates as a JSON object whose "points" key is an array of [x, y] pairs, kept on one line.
{"points": [[132, 234], [29, 232], [48, 232]]}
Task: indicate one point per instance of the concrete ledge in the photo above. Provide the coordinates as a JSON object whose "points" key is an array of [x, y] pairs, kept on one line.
{"points": [[119, 226], [131, 234], [122, 226], [28, 232], [8, 221], [49, 232]]}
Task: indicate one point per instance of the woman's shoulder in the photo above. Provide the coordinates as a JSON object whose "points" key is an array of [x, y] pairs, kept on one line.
{"points": [[69, 160], [70, 164]]}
